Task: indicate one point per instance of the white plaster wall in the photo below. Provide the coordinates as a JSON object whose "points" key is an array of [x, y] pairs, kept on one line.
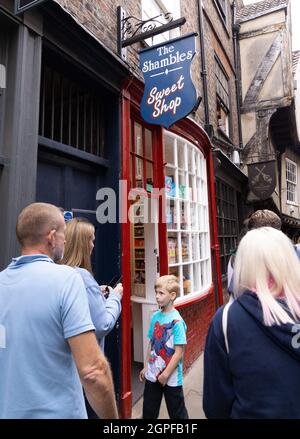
{"points": [[252, 52], [266, 20], [273, 86], [249, 126]]}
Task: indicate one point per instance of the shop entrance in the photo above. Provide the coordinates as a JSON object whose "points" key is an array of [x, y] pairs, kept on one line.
{"points": [[144, 245], [144, 271]]}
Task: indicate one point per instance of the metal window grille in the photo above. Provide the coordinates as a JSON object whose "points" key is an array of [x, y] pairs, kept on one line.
{"points": [[226, 200], [70, 113]]}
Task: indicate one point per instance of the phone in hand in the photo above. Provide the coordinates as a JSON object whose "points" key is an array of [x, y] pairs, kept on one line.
{"points": [[112, 283]]}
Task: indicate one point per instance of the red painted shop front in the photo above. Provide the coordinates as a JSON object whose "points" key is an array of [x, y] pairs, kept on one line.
{"points": [[172, 231]]}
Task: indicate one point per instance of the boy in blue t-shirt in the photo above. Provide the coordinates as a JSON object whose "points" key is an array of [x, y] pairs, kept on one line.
{"points": [[163, 370]]}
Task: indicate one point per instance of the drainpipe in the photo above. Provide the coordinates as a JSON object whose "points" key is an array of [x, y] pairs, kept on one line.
{"points": [[236, 49], [218, 295], [207, 126]]}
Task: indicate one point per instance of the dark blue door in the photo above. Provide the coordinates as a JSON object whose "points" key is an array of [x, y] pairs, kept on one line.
{"points": [[72, 185]]}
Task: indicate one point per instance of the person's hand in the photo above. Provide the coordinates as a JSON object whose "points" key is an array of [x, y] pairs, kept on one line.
{"points": [[119, 289], [106, 289], [142, 374], [162, 379]]}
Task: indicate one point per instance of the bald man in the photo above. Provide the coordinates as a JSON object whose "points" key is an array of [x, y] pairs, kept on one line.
{"points": [[48, 343]]}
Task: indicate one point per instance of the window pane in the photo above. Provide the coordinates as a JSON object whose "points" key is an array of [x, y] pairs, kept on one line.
{"points": [[173, 248], [148, 144], [181, 148], [149, 177], [169, 150], [139, 177], [138, 139]]}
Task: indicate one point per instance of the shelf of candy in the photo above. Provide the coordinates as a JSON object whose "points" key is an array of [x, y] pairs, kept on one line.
{"points": [[170, 217], [170, 186], [139, 253], [138, 215], [181, 186], [174, 271], [139, 284], [139, 265], [172, 250], [185, 248], [183, 216], [195, 243], [186, 285]]}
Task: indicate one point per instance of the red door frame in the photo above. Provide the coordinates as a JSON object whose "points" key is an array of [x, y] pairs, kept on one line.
{"points": [[126, 393], [188, 129]]}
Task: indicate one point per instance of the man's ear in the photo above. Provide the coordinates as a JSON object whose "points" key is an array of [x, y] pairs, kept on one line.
{"points": [[51, 237]]}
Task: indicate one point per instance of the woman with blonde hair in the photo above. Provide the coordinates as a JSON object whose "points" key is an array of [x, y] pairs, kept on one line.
{"points": [[80, 237], [252, 352]]}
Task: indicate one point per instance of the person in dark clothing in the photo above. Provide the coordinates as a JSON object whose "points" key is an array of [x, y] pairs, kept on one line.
{"points": [[252, 363]]}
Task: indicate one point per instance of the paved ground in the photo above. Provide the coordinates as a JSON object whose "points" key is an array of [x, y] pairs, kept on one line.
{"points": [[192, 387]]}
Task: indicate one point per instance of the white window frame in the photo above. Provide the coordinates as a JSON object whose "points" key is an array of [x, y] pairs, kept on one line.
{"points": [[291, 181], [186, 164], [152, 8]]}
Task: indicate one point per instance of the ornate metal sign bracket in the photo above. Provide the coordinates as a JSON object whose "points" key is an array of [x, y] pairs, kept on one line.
{"points": [[132, 29]]}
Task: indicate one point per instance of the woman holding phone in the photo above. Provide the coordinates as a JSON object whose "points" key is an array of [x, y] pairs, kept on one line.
{"points": [[104, 301], [80, 237]]}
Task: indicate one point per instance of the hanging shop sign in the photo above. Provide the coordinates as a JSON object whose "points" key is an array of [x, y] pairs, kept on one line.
{"points": [[24, 5], [169, 93], [262, 178]]}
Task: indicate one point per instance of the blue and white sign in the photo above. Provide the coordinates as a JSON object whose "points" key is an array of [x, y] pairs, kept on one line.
{"points": [[68, 215], [169, 93]]}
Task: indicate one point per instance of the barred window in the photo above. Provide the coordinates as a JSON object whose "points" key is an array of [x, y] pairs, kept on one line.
{"points": [[291, 181], [71, 113], [226, 201]]}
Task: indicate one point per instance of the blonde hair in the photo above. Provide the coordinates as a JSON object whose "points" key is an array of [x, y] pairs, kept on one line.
{"points": [[266, 263], [35, 221], [79, 232], [169, 282]]}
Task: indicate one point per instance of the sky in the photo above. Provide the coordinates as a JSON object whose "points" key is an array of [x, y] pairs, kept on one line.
{"points": [[295, 25]]}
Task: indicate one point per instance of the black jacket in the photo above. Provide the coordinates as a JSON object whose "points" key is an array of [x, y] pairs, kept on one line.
{"points": [[260, 377]]}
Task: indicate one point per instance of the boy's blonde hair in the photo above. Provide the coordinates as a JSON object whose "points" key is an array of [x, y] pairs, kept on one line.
{"points": [[169, 282]]}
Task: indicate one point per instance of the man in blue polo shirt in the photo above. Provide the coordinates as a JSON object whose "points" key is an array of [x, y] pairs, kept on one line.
{"points": [[45, 326]]}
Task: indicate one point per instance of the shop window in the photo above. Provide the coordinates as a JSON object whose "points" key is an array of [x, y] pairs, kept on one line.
{"points": [[187, 215], [142, 235], [141, 158], [226, 203], [291, 182], [70, 113], [223, 100], [158, 9], [222, 9]]}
